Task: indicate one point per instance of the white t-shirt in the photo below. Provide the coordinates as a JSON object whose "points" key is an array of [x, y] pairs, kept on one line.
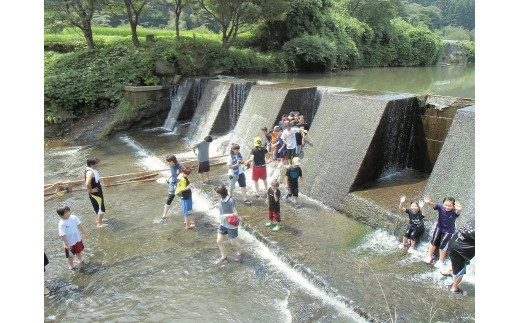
{"points": [[69, 229], [240, 167], [290, 137]]}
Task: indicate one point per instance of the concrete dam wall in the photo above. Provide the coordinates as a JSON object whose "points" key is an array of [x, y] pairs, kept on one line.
{"points": [[364, 148]]}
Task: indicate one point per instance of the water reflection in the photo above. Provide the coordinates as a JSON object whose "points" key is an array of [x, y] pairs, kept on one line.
{"points": [[453, 80]]}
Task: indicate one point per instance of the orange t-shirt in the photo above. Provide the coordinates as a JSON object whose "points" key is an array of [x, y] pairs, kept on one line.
{"points": [[274, 141]]}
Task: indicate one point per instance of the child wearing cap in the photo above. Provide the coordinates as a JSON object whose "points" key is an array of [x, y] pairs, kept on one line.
{"points": [[259, 170], [273, 200], [291, 181]]}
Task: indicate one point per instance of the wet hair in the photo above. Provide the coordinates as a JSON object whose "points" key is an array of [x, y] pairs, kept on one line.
{"points": [[92, 161], [186, 170], [451, 199], [62, 209], [173, 159], [221, 190], [415, 202], [208, 139]]}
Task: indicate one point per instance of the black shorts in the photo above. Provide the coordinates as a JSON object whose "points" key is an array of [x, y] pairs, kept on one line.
{"points": [[414, 233], [458, 263], [170, 199], [440, 239], [98, 202], [203, 167], [293, 191], [232, 233]]}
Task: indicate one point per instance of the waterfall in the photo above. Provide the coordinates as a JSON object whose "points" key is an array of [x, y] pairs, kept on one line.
{"points": [[178, 95], [219, 108]]}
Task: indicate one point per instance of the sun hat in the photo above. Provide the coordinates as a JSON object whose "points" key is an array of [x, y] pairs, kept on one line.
{"points": [[296, 161]]}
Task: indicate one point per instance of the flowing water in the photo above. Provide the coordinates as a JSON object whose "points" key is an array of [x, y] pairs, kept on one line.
{"points": [[142, 270], [453, 80], [322, 266]]}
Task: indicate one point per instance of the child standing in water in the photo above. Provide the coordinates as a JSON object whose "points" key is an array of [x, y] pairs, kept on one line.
{"points": [[449, 210], [175, 169], [291, 181], [95, 192], [227, 208], [184, 191], [415, 227], [69, 229], [273, 200], [235, 164]]}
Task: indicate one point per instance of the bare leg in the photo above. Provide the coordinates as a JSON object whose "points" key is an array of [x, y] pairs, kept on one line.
{"points": [[70, 260], [207, 176], [78, 255], [256, 188], [431, 250], [166, 209], [456, 282], [244, 195], [442, 255], [99, 220], [405, 241], [220, 244], [413, 244], [265, 184], [235, 243]]}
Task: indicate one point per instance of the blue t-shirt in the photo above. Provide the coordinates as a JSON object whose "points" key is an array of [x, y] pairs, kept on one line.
{"points": [[446, 220], [173, 181], [280, 144], [227, 206]]}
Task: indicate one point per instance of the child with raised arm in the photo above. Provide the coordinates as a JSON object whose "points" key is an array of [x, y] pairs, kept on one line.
{"points": [[273, 200], [416, 225], [449, 210], [184, 191], [227, 209], [69, 229]]}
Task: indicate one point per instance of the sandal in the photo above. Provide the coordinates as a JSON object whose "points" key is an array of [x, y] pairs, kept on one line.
{"points": [[220, 261], [238, 258]]}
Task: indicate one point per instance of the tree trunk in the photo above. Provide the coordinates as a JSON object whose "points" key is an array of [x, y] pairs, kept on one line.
{"points": [[87, 32], [225, 38], [135, 39], [177, 18]]}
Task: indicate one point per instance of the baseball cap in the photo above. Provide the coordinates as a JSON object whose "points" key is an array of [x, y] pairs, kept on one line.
{"points": [[296, 161]]}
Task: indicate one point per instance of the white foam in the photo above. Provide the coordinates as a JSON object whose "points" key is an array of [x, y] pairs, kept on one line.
{"points": [[378, 242], [147, 160]]}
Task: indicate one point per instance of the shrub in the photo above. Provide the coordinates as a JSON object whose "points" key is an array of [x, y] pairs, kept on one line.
{"points": [[311, 53]]}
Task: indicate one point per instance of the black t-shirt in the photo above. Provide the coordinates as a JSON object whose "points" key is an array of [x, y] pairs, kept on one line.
{"points": [[267, 139], [416, 220], [273, 205], [293, 173], [259, 155], [299, 136], [463, 241]]}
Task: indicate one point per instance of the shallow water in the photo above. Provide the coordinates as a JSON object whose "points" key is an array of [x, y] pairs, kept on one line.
{"points": [[320, 267]]}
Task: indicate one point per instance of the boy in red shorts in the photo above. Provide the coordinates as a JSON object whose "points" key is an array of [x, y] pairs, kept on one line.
{"points": [[273, 200], [259, 170], [69, 229]]}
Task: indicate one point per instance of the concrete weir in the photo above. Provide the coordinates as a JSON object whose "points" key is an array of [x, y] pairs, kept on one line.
{"points": [[219, 107], [264, 105], [454, 171], [355, 137]]}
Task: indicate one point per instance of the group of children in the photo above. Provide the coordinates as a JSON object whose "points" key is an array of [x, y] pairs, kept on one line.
{"points": [[285, 146], [460, 245], [286, 140]]}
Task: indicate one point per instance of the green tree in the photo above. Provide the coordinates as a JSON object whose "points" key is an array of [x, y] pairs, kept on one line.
{"points": [[133, 10], [234, 15], [76, 13]]}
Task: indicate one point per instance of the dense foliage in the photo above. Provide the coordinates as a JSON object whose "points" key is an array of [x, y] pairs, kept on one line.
{"points": [[81, 82], [82, 75]]}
